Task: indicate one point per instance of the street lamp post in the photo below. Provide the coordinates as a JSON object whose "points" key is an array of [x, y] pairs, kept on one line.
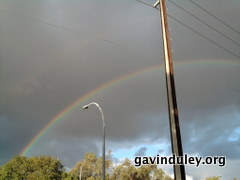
{"points": [[80, 172], [103, 144]]}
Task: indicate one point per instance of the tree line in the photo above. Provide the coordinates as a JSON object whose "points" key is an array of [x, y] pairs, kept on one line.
{"points": [[90, 168]]}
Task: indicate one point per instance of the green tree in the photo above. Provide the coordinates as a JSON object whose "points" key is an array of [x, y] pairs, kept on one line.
{"points": [[127, 171], [124, 171], [49, 168], [159, 174], [213, 178], [35, 168], [91, 167], [45, 167], [16, 168]]}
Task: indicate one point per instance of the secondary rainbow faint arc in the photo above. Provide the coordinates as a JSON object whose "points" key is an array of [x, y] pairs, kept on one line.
{"points": [[106, 85]]}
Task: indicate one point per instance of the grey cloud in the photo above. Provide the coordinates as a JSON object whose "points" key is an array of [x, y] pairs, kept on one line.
{"points": [[53, 53], [70, 152], [141, 152]]}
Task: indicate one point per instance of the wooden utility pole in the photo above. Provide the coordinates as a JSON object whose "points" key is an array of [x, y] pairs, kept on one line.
{"points": [[179, 170]]}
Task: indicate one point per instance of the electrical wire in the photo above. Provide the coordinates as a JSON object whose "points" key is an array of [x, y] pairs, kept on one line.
{"points": [[110, 42], [200, 34], [145, 3], [57, 26], [235, 42], [205, 37], [209, 13], [234, 89]]}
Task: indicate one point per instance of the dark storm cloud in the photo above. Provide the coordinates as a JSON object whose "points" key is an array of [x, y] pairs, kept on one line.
{"points": [[214, 137], [141, 152], [71, 151], [160, 151], [126, 126], [54, 52]]}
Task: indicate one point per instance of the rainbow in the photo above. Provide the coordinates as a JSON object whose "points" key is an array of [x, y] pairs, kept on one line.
{"points": [[105, 86]]}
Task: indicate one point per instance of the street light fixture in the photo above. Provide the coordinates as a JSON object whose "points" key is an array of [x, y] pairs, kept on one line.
{"points": [[103, 145]]}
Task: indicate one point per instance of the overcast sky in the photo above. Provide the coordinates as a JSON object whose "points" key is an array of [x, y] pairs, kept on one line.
{"points": [[52, 52]]}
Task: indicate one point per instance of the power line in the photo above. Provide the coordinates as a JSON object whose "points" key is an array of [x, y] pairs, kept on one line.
{"points": [[145, 3], [204, 23], [110, 42], [205, 37], [200, 34], [234, 89], [209, 13], [57, 26]]}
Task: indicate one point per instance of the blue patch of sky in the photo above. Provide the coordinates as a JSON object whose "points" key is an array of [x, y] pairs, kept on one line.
{"points": [[235, 135]]}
